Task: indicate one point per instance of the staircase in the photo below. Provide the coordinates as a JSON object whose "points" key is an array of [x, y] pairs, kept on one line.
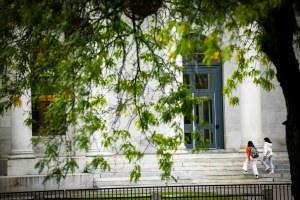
{"points": [[195, 169]]}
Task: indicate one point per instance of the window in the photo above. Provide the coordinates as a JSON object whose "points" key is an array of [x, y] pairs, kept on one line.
{"points": [[203, 81], [44, 88], [39, 109]]}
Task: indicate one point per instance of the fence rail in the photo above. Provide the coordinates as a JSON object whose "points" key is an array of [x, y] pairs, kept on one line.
{"points": [[189, 192]]}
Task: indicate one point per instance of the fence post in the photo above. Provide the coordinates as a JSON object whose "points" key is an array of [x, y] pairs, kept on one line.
{"points": [[155, 195], [268, 194], [38, 196]]}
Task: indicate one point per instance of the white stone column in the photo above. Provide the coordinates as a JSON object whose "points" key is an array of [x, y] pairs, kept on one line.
{"points": [[21, 146], [250, 102], [182, 148]]}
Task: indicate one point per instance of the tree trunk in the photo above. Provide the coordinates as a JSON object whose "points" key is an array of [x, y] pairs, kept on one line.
{"points": [[277, 43]]}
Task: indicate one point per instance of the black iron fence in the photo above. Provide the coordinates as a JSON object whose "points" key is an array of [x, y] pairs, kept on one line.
{"points": [[191, 192]]}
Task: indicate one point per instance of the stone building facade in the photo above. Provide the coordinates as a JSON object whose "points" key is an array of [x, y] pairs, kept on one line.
{"points": [[259, 114]]}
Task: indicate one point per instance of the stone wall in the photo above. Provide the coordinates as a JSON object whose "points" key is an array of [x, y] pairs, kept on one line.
{"points": [[35, 183]]}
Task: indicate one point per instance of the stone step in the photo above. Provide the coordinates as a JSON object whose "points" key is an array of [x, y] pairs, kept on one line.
{"points": [[209, 156], [202, 155], [179, 166], [195, 161], [150, 181], [193, 173], [188, 171], [191, 167]]}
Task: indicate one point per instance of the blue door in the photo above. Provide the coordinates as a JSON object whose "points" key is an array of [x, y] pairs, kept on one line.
{"points": [[206, 85]]}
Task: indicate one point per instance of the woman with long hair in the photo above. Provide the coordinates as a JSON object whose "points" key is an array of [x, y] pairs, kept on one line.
{"points": [[268, 156], [250, 160]]}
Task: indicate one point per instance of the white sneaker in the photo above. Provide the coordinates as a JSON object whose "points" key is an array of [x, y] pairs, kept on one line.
{"points": [[256, 176], [271, 172], [245, 172], [268, 168]]}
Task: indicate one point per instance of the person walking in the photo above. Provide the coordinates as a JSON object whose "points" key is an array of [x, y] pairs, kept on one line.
{"points": [[251, 159], [268, 155]]}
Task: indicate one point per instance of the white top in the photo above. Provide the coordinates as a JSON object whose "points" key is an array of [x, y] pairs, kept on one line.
{"points": [[267, 147]]}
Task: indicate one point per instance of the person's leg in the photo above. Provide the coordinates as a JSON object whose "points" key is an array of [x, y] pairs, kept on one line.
{"points": [[271, 164], [245, 165], [265, 163], [254, 167]]}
